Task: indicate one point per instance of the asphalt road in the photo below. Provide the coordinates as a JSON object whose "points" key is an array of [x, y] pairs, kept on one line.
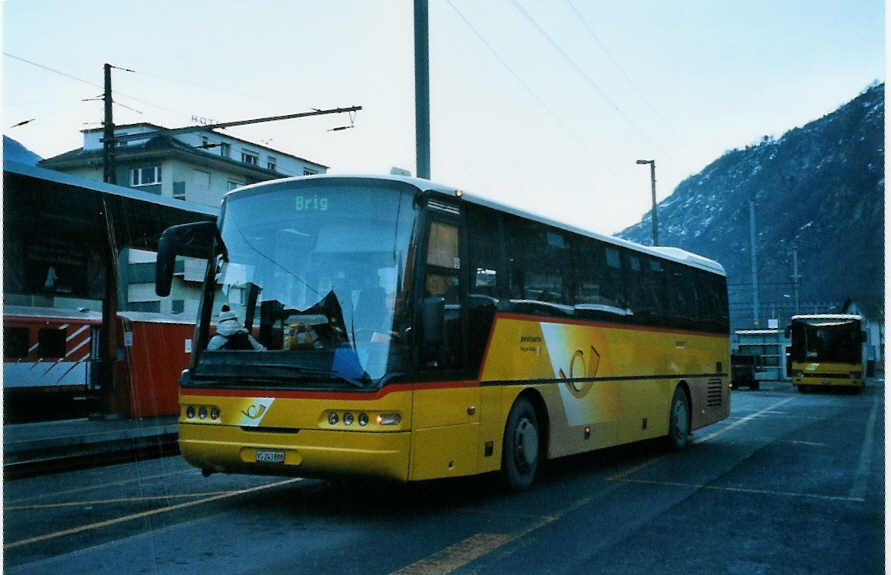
{"points": [[790, 483]]}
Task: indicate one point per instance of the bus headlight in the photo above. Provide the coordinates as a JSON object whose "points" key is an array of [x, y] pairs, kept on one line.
{"points": [[202, 412], [348, 418], [214, 412], [190, 412], [332, 418], [363, 419]]}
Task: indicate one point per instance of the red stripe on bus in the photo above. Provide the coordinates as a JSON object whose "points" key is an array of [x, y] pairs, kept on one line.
{"points": [[333, 395]]}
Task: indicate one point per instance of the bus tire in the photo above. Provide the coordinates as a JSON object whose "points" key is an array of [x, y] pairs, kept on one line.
{"points": [[802, 388], [521, 446], [679, 420]]}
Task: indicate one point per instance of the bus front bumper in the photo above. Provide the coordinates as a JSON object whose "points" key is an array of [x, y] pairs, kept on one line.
{"points": [[304, 452]]}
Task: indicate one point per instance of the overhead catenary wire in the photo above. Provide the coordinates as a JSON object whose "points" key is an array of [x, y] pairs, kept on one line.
{"points": [[615, 62], [88, 82], [585, 76], [548, 109]]}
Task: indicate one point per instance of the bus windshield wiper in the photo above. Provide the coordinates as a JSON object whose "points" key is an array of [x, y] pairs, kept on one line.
{"points": [[336, 375]]}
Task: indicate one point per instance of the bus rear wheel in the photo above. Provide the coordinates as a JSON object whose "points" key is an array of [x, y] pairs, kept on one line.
{"points": [[520, 446], [679, 420]]}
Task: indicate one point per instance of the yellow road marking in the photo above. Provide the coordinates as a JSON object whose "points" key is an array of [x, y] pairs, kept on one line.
{"points": [[106, 501], [480, 544], [454, 556], [635, 469], [125, 518], [744, 490], [102, 485]]}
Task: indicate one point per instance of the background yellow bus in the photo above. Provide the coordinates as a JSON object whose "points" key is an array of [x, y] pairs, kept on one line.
{"points": [[393, 327], [827, 350]]}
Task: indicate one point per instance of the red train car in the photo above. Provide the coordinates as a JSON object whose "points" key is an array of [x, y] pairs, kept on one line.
{"points": [[51, 370]]}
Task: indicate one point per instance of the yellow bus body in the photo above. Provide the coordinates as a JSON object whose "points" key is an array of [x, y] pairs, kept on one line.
{"points": [[827, 374], [596, 385]]}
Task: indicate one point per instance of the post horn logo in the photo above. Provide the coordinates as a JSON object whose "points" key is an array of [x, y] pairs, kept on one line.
{"points": [[588, 368], [254, 411]]}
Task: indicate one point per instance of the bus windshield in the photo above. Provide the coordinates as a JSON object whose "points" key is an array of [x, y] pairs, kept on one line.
{"points": [[830, 340], [312, 291]]}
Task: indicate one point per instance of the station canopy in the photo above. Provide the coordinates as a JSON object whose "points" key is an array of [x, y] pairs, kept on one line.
{"points": [[72, 224]]}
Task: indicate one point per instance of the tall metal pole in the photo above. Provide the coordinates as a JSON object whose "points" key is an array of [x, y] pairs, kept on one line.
{"points": [[422, 91], [108, 167], [655, 219], [652, 164], [754, 263], [795, 276]]}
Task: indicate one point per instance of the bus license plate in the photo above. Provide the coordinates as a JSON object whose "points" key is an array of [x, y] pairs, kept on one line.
{"points": [[270, 457]]}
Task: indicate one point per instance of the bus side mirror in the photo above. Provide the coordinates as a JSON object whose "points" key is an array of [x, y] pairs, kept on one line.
{"points": [[433, 316], [194, 240]]}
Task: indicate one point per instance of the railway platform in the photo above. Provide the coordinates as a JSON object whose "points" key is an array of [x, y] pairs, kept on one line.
{"points": [[47, 446]]}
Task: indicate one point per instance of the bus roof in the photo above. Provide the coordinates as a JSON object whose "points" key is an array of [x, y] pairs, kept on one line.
{"points": [[826, 316], [669, 253]]}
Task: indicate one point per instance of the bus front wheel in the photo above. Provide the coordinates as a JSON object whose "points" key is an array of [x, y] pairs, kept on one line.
{"points": [[679, 420], [520, 446]]}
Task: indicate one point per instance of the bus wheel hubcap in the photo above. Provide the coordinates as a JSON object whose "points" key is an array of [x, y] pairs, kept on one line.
{"points": [[526, 444]]}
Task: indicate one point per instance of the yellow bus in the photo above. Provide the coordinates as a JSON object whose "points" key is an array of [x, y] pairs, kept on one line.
{"points": [[393, 327], [826, 351]]}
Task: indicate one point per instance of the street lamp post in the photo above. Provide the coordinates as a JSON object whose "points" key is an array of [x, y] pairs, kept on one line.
{"points": [[652, 164]]}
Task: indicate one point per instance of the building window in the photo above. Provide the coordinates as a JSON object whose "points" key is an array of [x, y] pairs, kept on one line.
{"points": [[179, 190], [224, 149], [51, 343], [231, 185], [308, 172], [270, 163], [15, 342], [251, 158], [145, 176]]}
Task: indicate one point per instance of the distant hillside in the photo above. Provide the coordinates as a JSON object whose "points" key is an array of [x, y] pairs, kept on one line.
{"points": [[819, 188], [16, 152]]}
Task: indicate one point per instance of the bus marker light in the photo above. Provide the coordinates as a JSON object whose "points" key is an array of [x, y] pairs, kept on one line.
{"points": [[587, 432], [389, 419]]}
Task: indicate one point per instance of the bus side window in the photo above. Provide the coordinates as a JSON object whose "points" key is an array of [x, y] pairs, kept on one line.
{"points": [[443, 333], [487, 278], [539, 266]]}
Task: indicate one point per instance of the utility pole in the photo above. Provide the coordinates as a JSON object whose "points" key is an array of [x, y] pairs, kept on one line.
{"points": [[795, 277], [652, 164], [108, 166], [754, 262], [422, 90]]}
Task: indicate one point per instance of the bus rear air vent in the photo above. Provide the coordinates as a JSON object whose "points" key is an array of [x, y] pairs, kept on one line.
{"points": [[443, 207]]}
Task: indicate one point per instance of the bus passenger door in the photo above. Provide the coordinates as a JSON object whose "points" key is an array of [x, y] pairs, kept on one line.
{"points": [[445, 416]]}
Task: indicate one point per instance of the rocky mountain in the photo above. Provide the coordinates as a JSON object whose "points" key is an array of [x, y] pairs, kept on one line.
{"points": [[819, 190]]}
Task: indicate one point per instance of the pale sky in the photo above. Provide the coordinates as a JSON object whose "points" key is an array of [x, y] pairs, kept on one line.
{"points": [[543, 105]]}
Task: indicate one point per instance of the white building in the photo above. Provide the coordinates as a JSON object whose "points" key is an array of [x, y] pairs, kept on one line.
{"points": [[198, 165]]}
